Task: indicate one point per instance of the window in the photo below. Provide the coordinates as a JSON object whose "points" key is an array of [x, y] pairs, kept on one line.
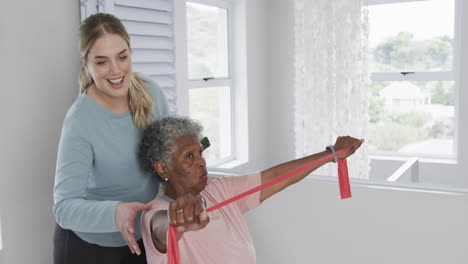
{"points": [[209, 78], [414, 60], [212, 81], [412, 93], [414, 113]]}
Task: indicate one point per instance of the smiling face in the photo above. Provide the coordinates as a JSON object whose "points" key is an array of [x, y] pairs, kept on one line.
{"points": [[187, 171], [109, 64]]}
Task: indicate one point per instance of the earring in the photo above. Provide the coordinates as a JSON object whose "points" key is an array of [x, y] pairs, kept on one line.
{"points": [[166, 179]]}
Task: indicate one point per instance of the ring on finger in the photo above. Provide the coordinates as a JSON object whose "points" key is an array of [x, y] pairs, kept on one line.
{"points": [[180, 211]]}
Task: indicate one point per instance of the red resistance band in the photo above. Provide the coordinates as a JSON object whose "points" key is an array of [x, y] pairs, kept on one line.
{"points": [[343, 180]]}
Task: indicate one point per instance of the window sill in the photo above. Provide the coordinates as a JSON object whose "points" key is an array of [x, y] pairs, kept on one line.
{"points": [[228, 165], [395, 186], [383, 157], [218, 173]]}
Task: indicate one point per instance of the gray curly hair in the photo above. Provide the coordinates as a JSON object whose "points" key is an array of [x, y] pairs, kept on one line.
{"points": [[157, 143]]}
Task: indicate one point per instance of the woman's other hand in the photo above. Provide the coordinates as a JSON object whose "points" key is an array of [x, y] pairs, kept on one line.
{"points": [[344, 142], [188, 213], [125, 218]]}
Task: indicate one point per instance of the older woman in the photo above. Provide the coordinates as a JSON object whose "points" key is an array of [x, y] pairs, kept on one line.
{"points": [[171, 149]]}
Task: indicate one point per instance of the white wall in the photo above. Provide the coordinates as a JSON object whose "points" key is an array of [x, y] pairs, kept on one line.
{"points": [[39, 64], [308, 223], [256, 41]]}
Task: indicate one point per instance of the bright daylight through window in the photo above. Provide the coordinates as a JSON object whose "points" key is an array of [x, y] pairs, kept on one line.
{"points": [[209, 77], [412, 94]]}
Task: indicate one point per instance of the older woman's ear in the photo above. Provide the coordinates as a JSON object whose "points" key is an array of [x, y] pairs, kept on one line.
{"points": [[161, 169]]}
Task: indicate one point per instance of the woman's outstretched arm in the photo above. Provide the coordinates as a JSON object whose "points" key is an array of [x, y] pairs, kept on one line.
{"points": [[272, 173]]}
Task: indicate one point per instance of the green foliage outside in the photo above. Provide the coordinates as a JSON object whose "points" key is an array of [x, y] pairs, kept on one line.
{"points": [[392, 136], [403, 53], [376, 109], [398, 130], [442, 94], [391, 131], [416, 119], [441, 128]]}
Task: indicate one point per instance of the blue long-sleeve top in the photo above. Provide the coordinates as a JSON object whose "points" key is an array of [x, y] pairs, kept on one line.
{"points": [[98, 167]]}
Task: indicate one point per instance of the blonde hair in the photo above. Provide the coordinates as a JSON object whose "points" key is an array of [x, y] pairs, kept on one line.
{"points": [[140, 100]]}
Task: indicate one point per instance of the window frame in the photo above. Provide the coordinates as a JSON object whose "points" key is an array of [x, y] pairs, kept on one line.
{"points": [[452, 75], [235, 80]]}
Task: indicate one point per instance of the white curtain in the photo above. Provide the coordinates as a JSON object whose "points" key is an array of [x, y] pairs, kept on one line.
{"points": [[331, 78]]}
